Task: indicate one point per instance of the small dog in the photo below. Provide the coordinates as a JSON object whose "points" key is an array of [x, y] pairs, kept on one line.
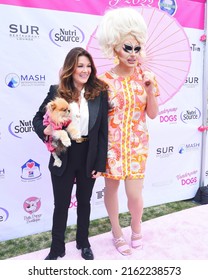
{"points": [[59, 116]]}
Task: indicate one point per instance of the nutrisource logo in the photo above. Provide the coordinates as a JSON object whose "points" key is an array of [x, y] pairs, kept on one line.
{"points": [[18, 129], [65, 36], [190, 115], [4, 214]]}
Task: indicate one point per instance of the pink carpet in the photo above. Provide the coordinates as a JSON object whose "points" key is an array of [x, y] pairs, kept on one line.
{"points": [[179, 236]]}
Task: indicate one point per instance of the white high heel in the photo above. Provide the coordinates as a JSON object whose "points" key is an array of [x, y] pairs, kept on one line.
{"points": [[136, 240], [121, 246]]}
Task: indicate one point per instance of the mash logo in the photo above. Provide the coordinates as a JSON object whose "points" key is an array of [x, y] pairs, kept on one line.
{"points": [[188, 147], [32, 80], [30, 170], [182, 149], [62, 36], [12, 80], [190, 115], [4, 214], [17, 130]]}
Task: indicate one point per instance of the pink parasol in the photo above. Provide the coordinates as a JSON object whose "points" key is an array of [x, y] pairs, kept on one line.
{"points": [[168, 52]]}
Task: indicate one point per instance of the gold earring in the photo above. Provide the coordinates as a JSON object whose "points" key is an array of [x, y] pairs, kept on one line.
{"points": [[116, 60]]}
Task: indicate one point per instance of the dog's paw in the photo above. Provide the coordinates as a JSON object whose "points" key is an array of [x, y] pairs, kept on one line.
{"points": [[66, 142], [57, 162]]}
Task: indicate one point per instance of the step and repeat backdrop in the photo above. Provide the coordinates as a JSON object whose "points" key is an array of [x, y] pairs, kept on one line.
{"points": [[35, 39]]}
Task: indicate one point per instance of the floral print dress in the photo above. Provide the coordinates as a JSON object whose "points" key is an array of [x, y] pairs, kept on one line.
{"points": [[128, 136]]}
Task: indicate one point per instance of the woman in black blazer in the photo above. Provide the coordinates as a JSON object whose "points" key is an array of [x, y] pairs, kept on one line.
{"points": [[83, 162]]}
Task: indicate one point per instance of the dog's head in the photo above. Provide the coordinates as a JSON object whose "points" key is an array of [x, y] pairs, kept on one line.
{"points": [[59, 110]]}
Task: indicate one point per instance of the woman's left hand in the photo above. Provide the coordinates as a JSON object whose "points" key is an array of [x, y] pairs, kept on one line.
{"points": [[150, 87], [95, 174], [148, 81]]}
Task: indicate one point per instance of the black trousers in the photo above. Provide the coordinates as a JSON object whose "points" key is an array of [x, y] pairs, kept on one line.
{"points": [[62, 189]]}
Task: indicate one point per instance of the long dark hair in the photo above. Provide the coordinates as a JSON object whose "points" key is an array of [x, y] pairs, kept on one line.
{"points": [[66, 88]]}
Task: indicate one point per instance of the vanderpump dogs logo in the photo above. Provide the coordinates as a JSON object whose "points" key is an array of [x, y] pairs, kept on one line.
{"points": [[30, 170], [4, 214], [190, 115], [20, 128], [168, 115], [31, 205], [24, 32], [169, 6], [73, 203], [13, 80], [64, 36], [188, 178], [190, 147]]}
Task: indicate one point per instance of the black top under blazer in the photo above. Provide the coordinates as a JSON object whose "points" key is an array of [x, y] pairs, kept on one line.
{"points": [[98, 133]]}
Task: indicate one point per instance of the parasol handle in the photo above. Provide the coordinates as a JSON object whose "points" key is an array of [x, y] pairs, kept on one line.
{"points": [[202, 128]]}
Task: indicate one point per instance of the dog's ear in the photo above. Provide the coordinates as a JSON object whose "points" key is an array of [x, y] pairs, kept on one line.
{"points": [[51, 106]]}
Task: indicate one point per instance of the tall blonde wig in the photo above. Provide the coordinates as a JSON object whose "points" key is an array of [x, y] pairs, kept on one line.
{"points": [[116, 25]]}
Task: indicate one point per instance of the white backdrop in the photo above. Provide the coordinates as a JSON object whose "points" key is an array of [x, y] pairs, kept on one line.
{"points": [[33, 50]]}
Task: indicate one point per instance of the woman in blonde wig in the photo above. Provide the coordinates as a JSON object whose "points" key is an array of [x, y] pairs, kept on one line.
{"points": [[133, 95]]}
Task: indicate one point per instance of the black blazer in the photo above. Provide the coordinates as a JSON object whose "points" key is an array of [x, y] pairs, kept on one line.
{"points": [[98, 133]]}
